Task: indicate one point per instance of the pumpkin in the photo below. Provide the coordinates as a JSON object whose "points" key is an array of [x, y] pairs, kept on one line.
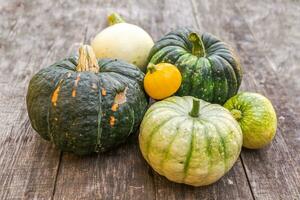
{"points": [[256, 116], [84, 105], [189, 140], [210, 70], [124, 41], [162, 80]]}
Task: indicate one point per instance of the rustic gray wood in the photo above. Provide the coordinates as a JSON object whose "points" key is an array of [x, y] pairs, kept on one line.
{"points": [[28, 165], [34, 34], [276, 26], [132, 176], [121, 174], [181, 14], [277, 165]]}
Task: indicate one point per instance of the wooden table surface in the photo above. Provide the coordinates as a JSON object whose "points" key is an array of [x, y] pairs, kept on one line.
{"points": [[36, 33]]}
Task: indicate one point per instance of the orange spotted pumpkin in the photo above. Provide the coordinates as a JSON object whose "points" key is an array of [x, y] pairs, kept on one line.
{"points": [[85, 105]]}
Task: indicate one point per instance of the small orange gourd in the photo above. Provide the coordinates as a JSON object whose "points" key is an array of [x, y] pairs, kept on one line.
{"points": [[162, 80]]}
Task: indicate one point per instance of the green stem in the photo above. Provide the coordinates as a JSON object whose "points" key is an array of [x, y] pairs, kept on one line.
{"points": [[195, 109], [237, 114], [115, 18], [87, 60], [198, 48], [151, 67]]}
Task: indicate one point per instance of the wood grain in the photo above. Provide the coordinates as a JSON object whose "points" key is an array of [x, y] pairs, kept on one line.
{"points": [[234, 183], [126, 166], [32, 37], [276, 25], [34, 34], [270, 168], [119, 174], [24, 158]]}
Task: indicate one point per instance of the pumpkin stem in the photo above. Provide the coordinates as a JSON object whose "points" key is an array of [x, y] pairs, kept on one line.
{"points": [[151, 68], [237, 114], [87, 60], [198, 48], [115, 18], [195, 109]]}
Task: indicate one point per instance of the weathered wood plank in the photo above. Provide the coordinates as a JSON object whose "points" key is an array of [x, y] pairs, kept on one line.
{"points": [[181, 14], [276, 25], [32, 37], [123, 174], [118, 174], [273, 171], [30, 164], [25, 159]]}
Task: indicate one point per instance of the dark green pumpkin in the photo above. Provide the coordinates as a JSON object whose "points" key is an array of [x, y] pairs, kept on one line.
{"points": [[82, 111], [209, 68]]}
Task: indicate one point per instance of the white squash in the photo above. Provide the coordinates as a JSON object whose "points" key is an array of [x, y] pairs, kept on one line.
{"points": [[123, 41]]}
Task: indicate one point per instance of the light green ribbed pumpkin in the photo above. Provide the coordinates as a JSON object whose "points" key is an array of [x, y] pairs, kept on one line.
{"points": [[189, 140]]}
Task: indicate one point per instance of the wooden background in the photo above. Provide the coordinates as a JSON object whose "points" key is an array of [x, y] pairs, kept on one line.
{"points": [[36, 33]]}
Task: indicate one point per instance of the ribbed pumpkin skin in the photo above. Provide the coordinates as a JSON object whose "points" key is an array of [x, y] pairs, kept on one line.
{"points": [[195, 151], [75, 110], [213, 78]]}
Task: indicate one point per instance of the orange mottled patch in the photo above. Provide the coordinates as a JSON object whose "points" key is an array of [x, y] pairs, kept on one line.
{"points": [[114, 107], [77, 80], [103, 91], [121, 97], [74, 93], [55, 96], [112, 121], [75, 85]]}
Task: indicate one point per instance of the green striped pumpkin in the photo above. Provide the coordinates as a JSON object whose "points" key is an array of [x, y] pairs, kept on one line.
{"points": [[84, 105], [210, 70], [189, 140]]}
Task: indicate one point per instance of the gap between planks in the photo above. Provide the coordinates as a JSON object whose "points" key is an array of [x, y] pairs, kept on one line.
{"points": [[236, 11], [56, 175], [194, 7], [195, 11], [84, 41]]}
